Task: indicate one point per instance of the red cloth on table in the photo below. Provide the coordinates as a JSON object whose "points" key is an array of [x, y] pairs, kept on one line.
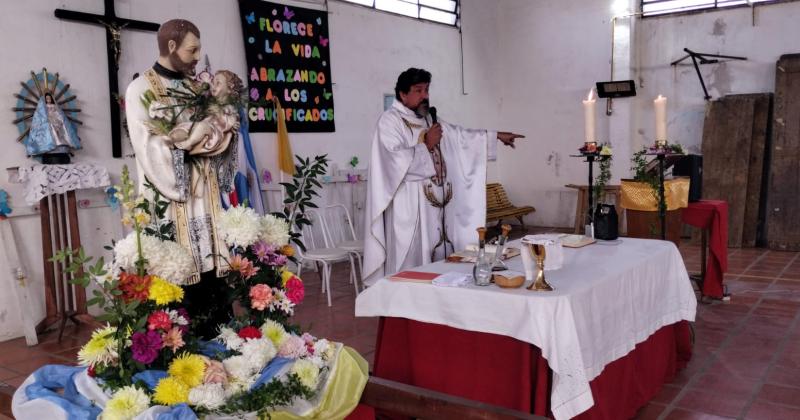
{"points": [[711, 215], [510, 373]]}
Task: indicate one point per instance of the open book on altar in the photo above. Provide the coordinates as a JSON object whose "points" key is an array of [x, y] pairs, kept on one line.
{"points": [[414, 276]]}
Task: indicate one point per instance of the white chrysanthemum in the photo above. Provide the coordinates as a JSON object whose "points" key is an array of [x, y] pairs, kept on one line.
{"points": [[239, 226], [209, 396], [230, 338], [238, 367], [165, 259], [307, 372], [258, 352], [238, 385], [274, 230], [126, 404]]}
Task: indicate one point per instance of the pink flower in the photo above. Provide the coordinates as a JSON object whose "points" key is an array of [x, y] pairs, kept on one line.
{"points": [[260, 296], [173, 339], [243, 266], [293, 347], [295, 290], [159, 320]]}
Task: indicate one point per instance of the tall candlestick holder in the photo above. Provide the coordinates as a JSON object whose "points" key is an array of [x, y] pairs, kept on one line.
{"points": [[591, 152], [661, 151]]}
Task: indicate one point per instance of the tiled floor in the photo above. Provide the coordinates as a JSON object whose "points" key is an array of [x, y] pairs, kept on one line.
{"points": [[746, 361]]}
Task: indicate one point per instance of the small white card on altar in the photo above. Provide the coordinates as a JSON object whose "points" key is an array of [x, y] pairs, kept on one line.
{"points": [[453, 279], [554, 251]]}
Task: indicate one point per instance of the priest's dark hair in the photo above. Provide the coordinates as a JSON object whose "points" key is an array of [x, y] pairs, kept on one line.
{"points": [[174, 30], [410, 78]]}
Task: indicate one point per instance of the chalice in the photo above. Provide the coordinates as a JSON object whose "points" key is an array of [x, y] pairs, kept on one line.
{"points": [[540, 284]]}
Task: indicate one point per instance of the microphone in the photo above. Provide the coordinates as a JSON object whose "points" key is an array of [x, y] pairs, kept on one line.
{"points": [[432, 111]]}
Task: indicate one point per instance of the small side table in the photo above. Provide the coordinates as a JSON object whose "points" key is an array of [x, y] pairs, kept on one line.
{"points": [[712, 217], [53, 188], [581, 209]]}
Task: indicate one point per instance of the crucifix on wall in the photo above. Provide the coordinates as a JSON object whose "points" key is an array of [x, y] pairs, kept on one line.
{"points": [[114, 26]]}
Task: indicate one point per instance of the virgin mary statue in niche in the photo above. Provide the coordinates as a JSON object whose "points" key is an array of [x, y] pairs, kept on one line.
{"points": [[53, 136]]}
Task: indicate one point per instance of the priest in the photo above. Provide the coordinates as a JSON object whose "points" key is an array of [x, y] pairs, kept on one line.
{"points": [[190, 178], [426, 192]]}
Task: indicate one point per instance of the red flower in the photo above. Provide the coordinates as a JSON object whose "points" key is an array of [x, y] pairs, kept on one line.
{"points": [[295, 290], [134, 287], [90, 371], [250, 332], [159, 320]]}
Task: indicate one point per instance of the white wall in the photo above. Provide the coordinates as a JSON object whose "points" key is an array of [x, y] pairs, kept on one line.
{"points": [[726, 32], [368, 50]]}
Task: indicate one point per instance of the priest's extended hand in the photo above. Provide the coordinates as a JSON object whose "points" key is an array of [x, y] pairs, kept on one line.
{"points": [[433, 136], [508, 138]]}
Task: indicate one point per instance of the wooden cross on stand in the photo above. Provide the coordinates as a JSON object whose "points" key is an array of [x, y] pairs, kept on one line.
{"points": [[114, 26]]}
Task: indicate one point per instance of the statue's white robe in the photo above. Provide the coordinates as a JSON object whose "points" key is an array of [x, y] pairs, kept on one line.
{"points": [[402, 227]]}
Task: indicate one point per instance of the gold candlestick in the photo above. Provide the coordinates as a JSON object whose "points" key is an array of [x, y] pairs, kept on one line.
{"points": [[540, 284]]}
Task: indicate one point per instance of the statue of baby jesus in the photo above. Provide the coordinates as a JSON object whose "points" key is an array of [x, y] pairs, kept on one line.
{"points": [[212, 135]]}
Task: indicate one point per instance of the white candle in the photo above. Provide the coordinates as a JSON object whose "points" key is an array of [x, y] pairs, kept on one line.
{"points": [[588, 116], [660, 105]]}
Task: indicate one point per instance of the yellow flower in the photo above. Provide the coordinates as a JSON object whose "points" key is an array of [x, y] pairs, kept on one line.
{"points": [[275, 332], [171, 391], [127, 221], [164, 292], [141, 217], [126, 404], [307, 372], [285, 276], [189, 369], [100, 349]]}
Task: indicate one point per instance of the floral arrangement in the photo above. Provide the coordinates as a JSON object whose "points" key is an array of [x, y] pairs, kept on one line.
{"points": [[146, 355], [642, 168]]}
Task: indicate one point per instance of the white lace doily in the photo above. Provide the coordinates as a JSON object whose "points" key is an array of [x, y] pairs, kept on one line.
{"points": [[43, 180]]}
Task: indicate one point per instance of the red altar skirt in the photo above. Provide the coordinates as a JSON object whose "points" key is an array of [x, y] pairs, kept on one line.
{"points": [[503, 371]]}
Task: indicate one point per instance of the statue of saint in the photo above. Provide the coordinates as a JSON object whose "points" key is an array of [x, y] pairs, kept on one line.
{"points": [[53, 136], [190, 162]]}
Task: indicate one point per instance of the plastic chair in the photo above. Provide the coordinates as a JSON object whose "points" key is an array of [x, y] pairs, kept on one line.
{"points": [[342, 234], [319, 250]]}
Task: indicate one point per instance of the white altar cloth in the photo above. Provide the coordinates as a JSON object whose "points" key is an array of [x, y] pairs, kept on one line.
{"points": [[608, 297]]}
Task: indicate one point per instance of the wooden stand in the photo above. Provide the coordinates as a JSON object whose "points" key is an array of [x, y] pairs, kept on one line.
{"points": [[63, 300]]}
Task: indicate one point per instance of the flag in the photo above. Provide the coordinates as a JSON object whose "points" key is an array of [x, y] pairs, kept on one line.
{"points": [[285, 157]]}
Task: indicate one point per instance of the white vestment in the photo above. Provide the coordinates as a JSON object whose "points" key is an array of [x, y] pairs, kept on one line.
{"points": [[191, 181], [402, 226]]}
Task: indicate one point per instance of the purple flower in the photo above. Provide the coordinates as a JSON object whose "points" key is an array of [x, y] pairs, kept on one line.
{"points": [[267, 176], [146, 346], [262, 251], [277, 260]]}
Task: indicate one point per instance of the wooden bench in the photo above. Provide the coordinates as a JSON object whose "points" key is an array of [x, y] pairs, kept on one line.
{"points": [[421, 403], [498, 207]]}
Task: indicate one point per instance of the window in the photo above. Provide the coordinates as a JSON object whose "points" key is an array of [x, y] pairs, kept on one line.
{"points": [[662, 7], [440, 11]]}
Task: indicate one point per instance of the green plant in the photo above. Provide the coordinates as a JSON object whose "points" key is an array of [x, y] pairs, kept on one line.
{"points": [[299, 194], [604, 162]]}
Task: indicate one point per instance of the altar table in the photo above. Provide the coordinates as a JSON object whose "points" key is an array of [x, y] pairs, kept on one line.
{"points": [[616, 309]]}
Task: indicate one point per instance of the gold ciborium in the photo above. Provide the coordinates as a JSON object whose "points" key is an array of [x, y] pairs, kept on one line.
{"points": [[540, 284]]}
